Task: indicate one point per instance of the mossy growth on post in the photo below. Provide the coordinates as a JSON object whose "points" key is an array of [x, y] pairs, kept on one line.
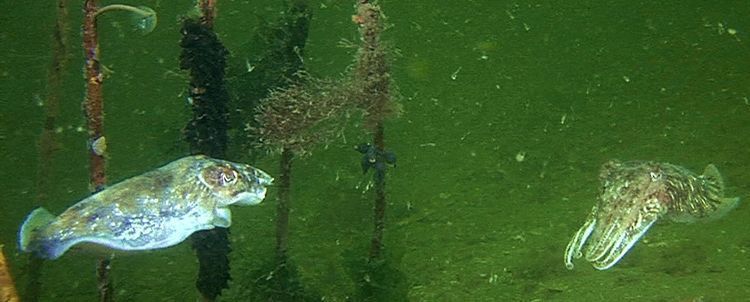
{"points": [[291, 121], [378, 279], [272, 59], [372, 81]]}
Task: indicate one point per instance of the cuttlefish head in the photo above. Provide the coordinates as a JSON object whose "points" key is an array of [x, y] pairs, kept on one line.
{"points": [[633, 197], [234, 183]]}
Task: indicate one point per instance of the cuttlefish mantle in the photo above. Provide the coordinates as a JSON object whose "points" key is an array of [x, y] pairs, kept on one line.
{"points": [[634, 195], [154, 210]]}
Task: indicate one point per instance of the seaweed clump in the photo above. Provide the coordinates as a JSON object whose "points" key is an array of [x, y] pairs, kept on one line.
{"points": [[291, 121], [274, 60]]}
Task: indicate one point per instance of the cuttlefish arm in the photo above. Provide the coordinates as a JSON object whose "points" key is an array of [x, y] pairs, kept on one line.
{"points": [[611, 239], [573, 250]]}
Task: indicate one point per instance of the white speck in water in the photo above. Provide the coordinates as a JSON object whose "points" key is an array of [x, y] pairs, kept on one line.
{"points": [[39, 100], [454, 75], [520, 156]]}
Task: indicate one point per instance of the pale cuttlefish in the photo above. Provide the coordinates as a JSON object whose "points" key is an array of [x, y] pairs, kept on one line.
{"points": [[157, 209], [634, 195]]}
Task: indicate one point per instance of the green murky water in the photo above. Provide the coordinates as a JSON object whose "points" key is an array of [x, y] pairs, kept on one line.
{"points": [[509, 110]]}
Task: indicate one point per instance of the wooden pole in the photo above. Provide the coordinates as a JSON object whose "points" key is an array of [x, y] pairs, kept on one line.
{"points": [[283, 205], [94, 102], [372, 73], [204, 56], [48, 144], [94, 108], [208, 12]]}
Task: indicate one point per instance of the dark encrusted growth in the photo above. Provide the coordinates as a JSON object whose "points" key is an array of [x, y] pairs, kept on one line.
{"points": [[204, 56], [212, 248]]}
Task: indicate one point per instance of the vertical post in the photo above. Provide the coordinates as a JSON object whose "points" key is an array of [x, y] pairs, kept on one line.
{"points": [[204, 57], [94, 103], [48, 144], [376, 245], [94, 107], [373, 76], [283, 205], [208, 12]]}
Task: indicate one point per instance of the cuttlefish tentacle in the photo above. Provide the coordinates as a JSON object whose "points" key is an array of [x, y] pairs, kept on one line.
{"points": [[619, 248], [573, 251], [622, 233], [634, 196]]}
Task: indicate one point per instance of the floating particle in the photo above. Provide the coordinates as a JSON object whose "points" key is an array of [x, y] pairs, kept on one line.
{"points": [[520, 156]]}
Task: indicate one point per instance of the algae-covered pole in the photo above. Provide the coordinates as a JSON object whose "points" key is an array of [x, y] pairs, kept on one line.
{"points": [[292, 120], [279, 67], [283, 204], [48, 141], [373, 78], [204, 56], [48, 144], [94, 103], [94, 107], [208, 12]]}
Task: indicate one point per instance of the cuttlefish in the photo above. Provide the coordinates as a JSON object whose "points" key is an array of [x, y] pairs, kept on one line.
{"points": [[157, 209], [634, 195]]}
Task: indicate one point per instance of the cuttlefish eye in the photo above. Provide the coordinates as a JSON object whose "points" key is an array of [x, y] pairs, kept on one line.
{"points": [[228, 176], [220, 176]]}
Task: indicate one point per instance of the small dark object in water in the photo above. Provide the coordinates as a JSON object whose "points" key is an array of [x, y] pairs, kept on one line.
{"points": [[374, 158]]}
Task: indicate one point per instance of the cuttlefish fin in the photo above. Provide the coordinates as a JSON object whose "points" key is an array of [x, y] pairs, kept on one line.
{"points": [[711, 173], [725, 204], [36, 219]]}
